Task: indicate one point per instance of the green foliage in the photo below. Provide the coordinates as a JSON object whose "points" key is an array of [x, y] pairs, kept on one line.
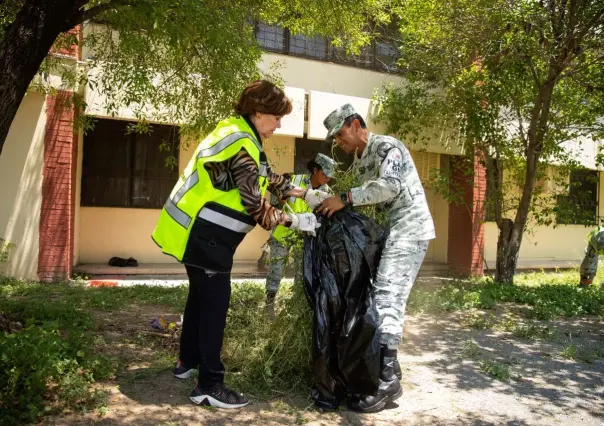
{"points": [[495, 369], [349, 178], [548, 296], [48, 365], [512, 82], [5, 248], [185, 61], [269, 356]]}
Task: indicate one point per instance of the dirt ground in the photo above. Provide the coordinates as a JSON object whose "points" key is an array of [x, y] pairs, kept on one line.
{"points": [[445, 381]]}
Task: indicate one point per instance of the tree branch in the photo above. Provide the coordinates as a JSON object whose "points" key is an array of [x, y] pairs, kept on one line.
{"points": [[86, 15], [534, 71], [598, 19]]}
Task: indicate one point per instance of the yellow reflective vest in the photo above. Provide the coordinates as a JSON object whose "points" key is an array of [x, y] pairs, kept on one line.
{"points": [[201, 225], [298, 205]]}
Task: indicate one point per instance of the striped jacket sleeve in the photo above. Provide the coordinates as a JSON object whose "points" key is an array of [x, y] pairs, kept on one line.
{"points": [[245, 174]]}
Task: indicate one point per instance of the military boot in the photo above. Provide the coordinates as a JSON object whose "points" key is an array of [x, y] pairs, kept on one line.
{"points": [[397, 368], [389, 388]]}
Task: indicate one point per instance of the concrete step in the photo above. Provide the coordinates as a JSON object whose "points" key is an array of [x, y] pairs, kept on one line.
{"points": [[241, 269]]}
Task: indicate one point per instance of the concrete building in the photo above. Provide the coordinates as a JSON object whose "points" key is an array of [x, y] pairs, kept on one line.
{"points": [[70, 202]]}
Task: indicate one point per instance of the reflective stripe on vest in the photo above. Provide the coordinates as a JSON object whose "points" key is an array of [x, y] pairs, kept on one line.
{"points": [[171, 205], [263, 169], [225, 142], [177, 214], [189, 183], [224, 221], [297, 181]]}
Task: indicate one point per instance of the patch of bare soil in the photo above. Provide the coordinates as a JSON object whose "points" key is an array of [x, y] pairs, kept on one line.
{"points": [[447, 380]]}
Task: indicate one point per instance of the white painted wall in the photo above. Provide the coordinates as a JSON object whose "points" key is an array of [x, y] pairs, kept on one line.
{"points": [[21, 165]]}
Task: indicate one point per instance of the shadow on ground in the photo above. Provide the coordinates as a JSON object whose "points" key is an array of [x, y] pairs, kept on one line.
{"points": [[446, 381]]}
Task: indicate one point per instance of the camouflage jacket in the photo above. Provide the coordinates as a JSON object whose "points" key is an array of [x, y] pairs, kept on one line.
{"points": [[391, 180]]}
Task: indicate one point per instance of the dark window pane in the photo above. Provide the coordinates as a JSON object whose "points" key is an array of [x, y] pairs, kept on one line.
{"points": [[126, 169], [314, 47], [363, 60], [271, 37], [386, 56], [580, 206]]}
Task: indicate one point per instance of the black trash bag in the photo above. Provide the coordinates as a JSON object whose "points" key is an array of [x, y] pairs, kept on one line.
{"points": [[340, 264]]}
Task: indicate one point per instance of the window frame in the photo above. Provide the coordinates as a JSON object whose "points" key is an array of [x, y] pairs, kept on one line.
{"points": [[131, 174], [333, 54]]}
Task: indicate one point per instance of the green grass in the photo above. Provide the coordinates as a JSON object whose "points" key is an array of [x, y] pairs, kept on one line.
{"points": [[582, 353], [546, 296], [479, 321], [53, 361], [495, 369]]}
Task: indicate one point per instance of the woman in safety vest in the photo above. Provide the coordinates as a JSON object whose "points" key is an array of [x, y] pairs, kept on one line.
{"points": [[217, 200]]}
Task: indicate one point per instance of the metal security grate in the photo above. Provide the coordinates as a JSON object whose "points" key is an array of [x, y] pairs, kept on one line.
{"points": [[380, 55], [270, 37], [314, 47]]}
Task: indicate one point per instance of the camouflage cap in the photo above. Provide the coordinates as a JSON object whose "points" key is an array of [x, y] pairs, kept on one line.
{"points": [[328, 165], [334, 121]]}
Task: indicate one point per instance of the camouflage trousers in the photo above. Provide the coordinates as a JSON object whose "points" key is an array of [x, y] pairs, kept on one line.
{"points": [[276, 267], [398, 268], [595, 247]]}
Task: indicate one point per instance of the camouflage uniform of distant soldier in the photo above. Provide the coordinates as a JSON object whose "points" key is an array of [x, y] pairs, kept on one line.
{"points": [[390, 180], [322, 170], [595, 247]]}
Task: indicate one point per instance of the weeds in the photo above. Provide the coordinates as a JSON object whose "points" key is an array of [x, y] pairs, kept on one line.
{"points": [[527, 330], [52, 359], [470, 350], [548, 296], [479, 321], [495, 369], [582, 353]]}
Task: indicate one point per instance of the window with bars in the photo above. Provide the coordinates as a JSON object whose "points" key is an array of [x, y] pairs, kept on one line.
{"points": [[313, 47], [380, 55], [271, 37], [580, 205], [121, 168]]}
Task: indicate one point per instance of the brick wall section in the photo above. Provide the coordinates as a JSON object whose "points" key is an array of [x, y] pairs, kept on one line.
{"points": [[58, 191], [479, 215], [466, 219], [74, 50]]}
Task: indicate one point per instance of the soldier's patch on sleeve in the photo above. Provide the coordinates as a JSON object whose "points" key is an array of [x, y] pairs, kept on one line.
{"points": [[392, 166], [384, 148]]}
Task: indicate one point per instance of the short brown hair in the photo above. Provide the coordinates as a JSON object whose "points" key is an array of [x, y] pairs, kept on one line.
{"points": [[264, 97]]}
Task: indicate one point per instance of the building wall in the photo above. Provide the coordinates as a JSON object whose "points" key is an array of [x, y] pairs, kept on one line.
{"points": [[21, 166], [105, 232], [544, 246]]}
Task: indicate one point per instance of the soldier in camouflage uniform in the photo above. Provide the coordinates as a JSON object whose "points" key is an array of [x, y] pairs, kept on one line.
{"points": [[322, 170], [391, 181], [589, 266]]}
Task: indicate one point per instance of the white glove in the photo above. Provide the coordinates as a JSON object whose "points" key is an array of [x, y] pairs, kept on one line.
{"points": [[314, 197], [305, 222]]}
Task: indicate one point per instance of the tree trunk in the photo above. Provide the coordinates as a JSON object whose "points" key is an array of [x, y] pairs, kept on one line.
{"points": [[508, 248], [24, 46]]}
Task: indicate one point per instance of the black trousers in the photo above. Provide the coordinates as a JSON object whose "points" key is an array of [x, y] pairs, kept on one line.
{"points": [[203, 324]]}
